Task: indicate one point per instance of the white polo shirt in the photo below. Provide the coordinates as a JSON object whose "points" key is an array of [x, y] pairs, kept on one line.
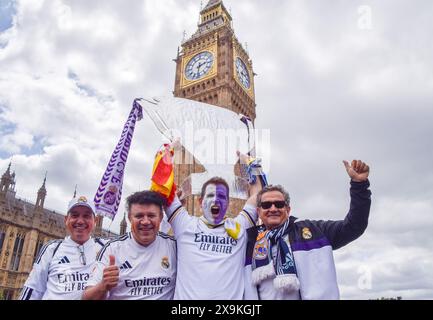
{"points": [[145, 272]]}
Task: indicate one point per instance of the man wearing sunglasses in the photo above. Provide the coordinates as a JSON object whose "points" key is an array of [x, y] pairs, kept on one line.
{"points": [[291, 259], [63, 266]]}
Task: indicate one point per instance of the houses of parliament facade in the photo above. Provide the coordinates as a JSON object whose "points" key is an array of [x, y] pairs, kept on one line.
{"points": [[211, 67]]}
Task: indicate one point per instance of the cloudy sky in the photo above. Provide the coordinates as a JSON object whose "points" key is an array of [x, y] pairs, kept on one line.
{"points": [[336, 80]]}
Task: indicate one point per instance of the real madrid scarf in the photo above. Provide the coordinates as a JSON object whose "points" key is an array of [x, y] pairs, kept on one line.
{"points": [[282, 268], [109, 193]]}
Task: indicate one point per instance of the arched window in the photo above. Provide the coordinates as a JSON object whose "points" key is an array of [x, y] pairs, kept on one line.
{"points": [[2, 236], [16, 254], [8, 294], [38, 248]]}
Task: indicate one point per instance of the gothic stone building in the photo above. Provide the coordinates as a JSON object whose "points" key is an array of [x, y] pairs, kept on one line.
{"points": [[24, 228]]}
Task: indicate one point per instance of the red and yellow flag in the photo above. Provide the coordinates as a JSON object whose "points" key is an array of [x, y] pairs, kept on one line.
{"points": [[162, 180]]}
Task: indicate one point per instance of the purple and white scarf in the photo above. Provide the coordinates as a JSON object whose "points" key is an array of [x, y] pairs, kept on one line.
{"points": [[109, 193], [280, 268]]}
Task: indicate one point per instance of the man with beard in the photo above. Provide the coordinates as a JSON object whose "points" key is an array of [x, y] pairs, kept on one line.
{"points": [[63, 266], [141, 264]]}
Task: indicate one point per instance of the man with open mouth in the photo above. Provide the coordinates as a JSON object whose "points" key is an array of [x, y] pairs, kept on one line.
{"points": [[211, 248]]}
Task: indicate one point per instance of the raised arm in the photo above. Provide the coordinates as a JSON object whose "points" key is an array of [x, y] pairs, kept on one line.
{"points": [[341, 232]]}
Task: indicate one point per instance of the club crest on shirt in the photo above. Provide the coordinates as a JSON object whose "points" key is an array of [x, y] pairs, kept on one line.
{"points": [[260, 236], [165, 263], [82, 199], [261, 249], [306, 233]]}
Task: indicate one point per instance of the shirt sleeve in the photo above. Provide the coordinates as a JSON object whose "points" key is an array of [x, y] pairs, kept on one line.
{"points": [[36, 284], [29, 293], [177, 216], [101, 241], [248, 216], [341, 232], [165, 227]]}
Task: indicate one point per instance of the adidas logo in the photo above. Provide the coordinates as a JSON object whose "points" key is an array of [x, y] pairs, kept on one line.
{"points": [[125, 265], [64, 260]]}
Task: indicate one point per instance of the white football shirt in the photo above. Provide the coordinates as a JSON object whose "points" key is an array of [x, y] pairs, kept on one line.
{"points": [[210, 262], [61, 270], [145, 272]]}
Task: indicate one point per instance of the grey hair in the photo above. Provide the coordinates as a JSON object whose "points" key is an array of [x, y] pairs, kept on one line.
{"points": [[269, 188]]}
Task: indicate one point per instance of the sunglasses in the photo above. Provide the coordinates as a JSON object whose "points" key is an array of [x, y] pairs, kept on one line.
{"points": [[277, 204]]}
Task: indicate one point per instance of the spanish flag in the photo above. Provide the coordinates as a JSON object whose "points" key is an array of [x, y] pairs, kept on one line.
{"points": [[162, 180]]}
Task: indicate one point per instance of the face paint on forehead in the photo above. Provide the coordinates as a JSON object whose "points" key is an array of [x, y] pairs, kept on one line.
{"points": [[215, 195], [210, 189], [221, 189], [222, 201]]}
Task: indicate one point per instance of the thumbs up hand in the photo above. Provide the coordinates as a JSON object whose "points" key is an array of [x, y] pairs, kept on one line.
{"points": [[110, 277], [358, 171], [112, 260]]}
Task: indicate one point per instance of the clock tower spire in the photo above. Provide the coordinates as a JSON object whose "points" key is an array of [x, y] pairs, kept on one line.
{"points": [[213, 67]]}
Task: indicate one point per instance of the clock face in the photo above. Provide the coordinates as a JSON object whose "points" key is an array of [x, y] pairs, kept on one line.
{"points": [[242, 71], [199, 65]]}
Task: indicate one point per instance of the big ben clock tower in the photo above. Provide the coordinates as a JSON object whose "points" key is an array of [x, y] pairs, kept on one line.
{"points": [[213, 67]]}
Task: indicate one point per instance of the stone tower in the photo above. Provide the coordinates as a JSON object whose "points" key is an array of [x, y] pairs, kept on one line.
{"points": [[6, 182], [42, 193], [213, 67], [123, 225]]}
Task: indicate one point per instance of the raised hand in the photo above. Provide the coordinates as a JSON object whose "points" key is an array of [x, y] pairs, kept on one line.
{"points": [[176, 144], [110, 277], [243, 158], [358, 171]]}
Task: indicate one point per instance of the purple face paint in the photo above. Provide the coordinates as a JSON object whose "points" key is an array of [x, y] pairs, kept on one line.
{"points": [[215, 196]]}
